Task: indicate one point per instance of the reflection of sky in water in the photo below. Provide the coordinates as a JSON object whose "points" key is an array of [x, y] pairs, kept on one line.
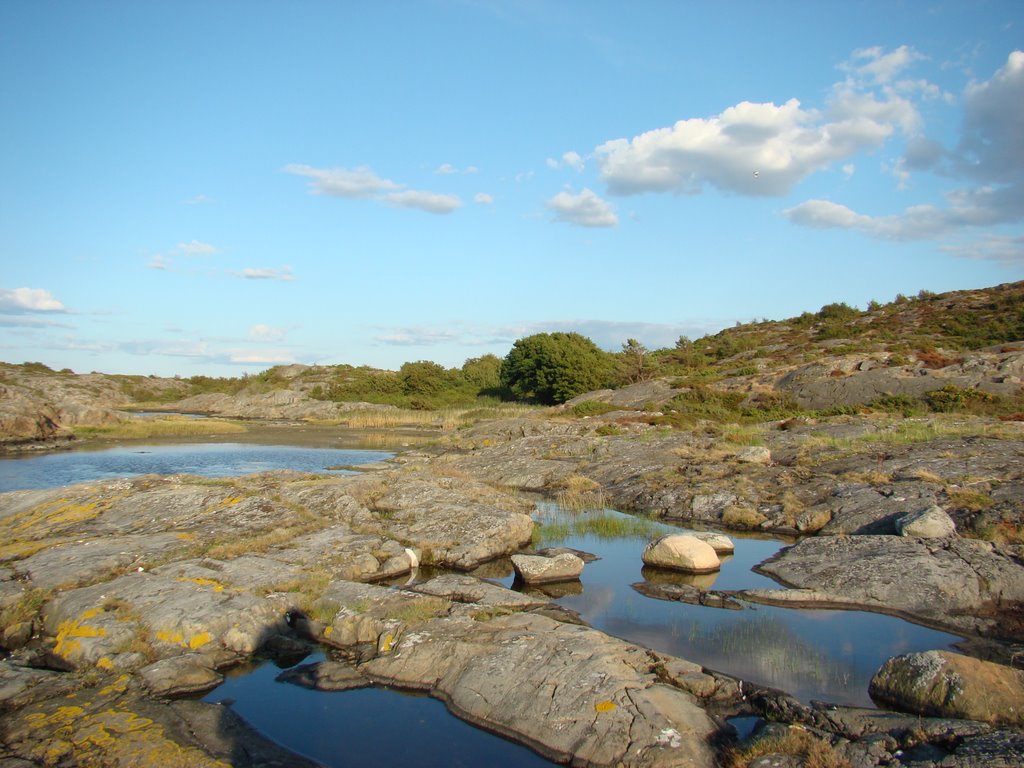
{"points": [[207, 459], [372, 726], [829, 655]]}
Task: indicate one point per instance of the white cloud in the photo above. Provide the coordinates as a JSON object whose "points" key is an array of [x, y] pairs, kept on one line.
{"points": [[363, 183], [482, 198], [199, 200], [19, 300], [985, 206], [416, 337], [573, 160], [446, 168], [283, 274], [874, 65], [159, 262], [570, 159], [990, 151], [196, 248], [1006, 249], [357, 183], [992, 145], [259, 357], [849, 169], [783, 144], [263, 332], [585, 209], [431, 202]]}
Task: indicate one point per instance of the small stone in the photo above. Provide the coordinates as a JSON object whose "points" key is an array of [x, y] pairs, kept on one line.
{"points": [[534, 569], [682, 553], [719, 542], [929, 523], [755, 454]]}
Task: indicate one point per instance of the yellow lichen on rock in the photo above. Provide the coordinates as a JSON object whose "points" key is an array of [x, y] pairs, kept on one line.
{"points": [[70, 632], [111, 737], [199, 640], [604, 706], [217, 586]]}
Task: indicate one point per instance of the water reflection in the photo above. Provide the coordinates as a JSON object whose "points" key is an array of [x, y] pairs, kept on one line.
{"points": [[819, 654], [372, 726], [208, 459]]}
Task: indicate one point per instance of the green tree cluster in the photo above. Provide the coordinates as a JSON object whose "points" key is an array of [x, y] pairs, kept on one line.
{"points": [[550, 368]]}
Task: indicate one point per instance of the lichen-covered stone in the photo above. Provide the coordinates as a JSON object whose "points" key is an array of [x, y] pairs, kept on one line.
{"points": [[534, 569]]}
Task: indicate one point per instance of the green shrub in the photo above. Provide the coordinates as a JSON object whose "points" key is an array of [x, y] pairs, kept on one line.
{"points": [[592, 408], [550, 368]]}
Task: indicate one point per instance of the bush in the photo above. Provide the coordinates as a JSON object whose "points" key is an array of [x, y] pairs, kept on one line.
{"points": [[592, 408], [550, 368]]}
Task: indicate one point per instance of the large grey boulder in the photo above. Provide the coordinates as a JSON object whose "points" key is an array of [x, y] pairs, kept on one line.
{"points": [[945, 684], [535, 569], [682, 552], [930, 523]]}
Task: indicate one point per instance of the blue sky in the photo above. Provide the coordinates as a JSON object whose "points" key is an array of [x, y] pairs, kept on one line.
{"points": [[217, 187]]}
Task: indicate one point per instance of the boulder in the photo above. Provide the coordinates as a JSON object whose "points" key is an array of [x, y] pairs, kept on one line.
{"points": [[945, 684], [682, 553], [929, 523], [180, 675], [755, 454], [721, 543], [535, 569]]}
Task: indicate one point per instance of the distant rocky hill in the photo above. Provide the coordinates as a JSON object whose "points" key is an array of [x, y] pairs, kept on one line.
{"points": [[963, 344]]}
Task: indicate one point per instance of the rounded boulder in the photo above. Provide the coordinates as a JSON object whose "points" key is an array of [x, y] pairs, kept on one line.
{"points": [[535, 569], [682, 552]]}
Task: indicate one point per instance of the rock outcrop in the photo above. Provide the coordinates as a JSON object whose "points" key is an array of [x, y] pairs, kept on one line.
{"points": [[944, 684]]}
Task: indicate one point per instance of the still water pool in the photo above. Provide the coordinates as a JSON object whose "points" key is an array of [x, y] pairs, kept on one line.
{"points": [[208, 459], [812, 654]]}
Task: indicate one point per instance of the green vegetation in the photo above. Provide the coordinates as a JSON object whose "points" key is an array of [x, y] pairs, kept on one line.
{"points": [[550, 368], [420, 385], [171, 426]]}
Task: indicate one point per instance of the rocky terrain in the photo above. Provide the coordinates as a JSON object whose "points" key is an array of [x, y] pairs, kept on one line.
{"points": [[120, 597]]}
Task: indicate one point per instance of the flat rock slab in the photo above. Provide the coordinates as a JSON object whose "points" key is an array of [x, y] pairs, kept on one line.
{"points": [[958, 583], [570, 692], [460, 588], [179, 614]]}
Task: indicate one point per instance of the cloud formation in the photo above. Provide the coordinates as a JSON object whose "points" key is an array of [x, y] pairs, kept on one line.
{"points": [[765, 149], [482, 198], [263, 332], [20, 300], [283, 274], [585, 209], [363, 184], [431, 202], [990, 153]]}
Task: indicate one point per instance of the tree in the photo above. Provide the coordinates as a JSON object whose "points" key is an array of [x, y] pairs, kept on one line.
{"points": [[423, 378], [551, 368], [483, 373], [634, 365]]}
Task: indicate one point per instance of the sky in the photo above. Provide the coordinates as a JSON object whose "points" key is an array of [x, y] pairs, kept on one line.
{"points": [[218, 187]]}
